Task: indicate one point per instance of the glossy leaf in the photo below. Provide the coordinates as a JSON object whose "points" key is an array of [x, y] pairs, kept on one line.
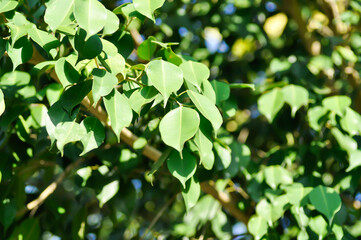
{"points": [[147, 48], [21, 52], [295, 96], [326, 201], [111, 24], [182, 168], [276, 175], [87, 48], [191, 192], [95, 134], [203, 140], [337, 104], [103, 83], [66, 73], [75, 94], [85, 12], [119, 111], [141, 97], [166, 77], [58, 12], [195, 73], [207, 108], [7, 5], [147, 7], [178, 126], [44, 39], [2, 102], [66, 132], [270, 103]]}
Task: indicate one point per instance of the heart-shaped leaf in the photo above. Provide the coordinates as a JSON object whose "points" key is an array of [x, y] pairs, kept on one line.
{"points": [[95, 134], [270, 103], [58, 13], [195, 73], [103, 83], [87, 49], [182, 169], [112, 23], [66, 132], [295, 96], [66, 73], [147, 7], [337, 104], [326, 201]]}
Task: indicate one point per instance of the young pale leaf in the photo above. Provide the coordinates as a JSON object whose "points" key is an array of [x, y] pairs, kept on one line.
{"points": [[103, 83], [221, 90], [91, 15], [140, 97], [315, 115], [44, 39], [116, 64], [182, 169], [297, 194], [276, 175], [354, 160], [207, 108], [191, 192], [208, 91], [87, 49], [326, 201], [21, 52], [2, 102], [351, 122], [269, 104], [7, 5], [129, 12], [345, 141], [337, 104], [67, 132], [166, 77], [95, 134], [257, 226], [119, 111], [58, 13], [195, 73], [66, 73], [264, 209], [147, 7], [203, 141], [319, 226], [179, 125], [112, 23], [17, 31], [108, 192], [147, 48], [224, 154], [295, 96], [75, 94]]}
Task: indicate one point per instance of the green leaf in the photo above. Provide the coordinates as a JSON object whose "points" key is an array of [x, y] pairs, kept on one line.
{"points": [[147, 7], [337, 104], [319, 226], [338, 231], [2, 102], [159, 163], [351, 122], [116, 64], [147, 48], [303, 235], [191, 192], [276, 175], [241, 156], [166, 77], [21, 52], [95, 134], [315, 115], [295, 96], [91, 15], [75, 94], [67, 132], [53, 92], [264, 209], [119, 111], [346, 142], [204, 143], [300, 216], [142, 96], [297, 194], [87, 49], [207, 108], [222, 91], [29, 229], [178, 126], [108, 192], [44, 39], [224, 154], [270, 103], [354, 160], [129, 12], [326, 201], [208, 91], [195, 73], [242, 85], [257, 226], [7, 5], [112, 23], [182, 169], [58, 13], [17, 32], [103, 83], [66, 73]]}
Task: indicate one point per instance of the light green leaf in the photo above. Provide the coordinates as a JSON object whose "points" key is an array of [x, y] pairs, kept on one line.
{"points": [[147, 48], [257, 226], [38, 115], [297, 194], [112, 23], [276, 175], [346, 142], [207, 108], [354, 160], [264, 209], [182, 169], [67, 132], [337, 104], [129, 12], [53, 92], [44, 39], [119, 111], [300, 216], [221, 226], [140, 97], [66, 73], [303, 235], [224, 154], [278, 207], [108, 192], [116, 64], [270, 103], [208, 91], [204, 143], [17, 32], [195, 73], [58, 13], [295, 96], [7, 5], [326, 201], [103, 83], [242, 85], [319, 226], [91, 15], [179, 125], [166, 77], [2, 102], [95, 134], [314, 116], [21, 52], [222, 91], [351, 122], [191, 192], [338, 231], [147, 7]]}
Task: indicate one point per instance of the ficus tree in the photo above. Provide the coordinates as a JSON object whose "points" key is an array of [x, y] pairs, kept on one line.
{"points": [[180, 119]]}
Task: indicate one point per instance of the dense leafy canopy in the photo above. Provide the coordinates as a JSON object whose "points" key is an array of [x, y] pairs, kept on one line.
{"points": [[154, 119]]}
